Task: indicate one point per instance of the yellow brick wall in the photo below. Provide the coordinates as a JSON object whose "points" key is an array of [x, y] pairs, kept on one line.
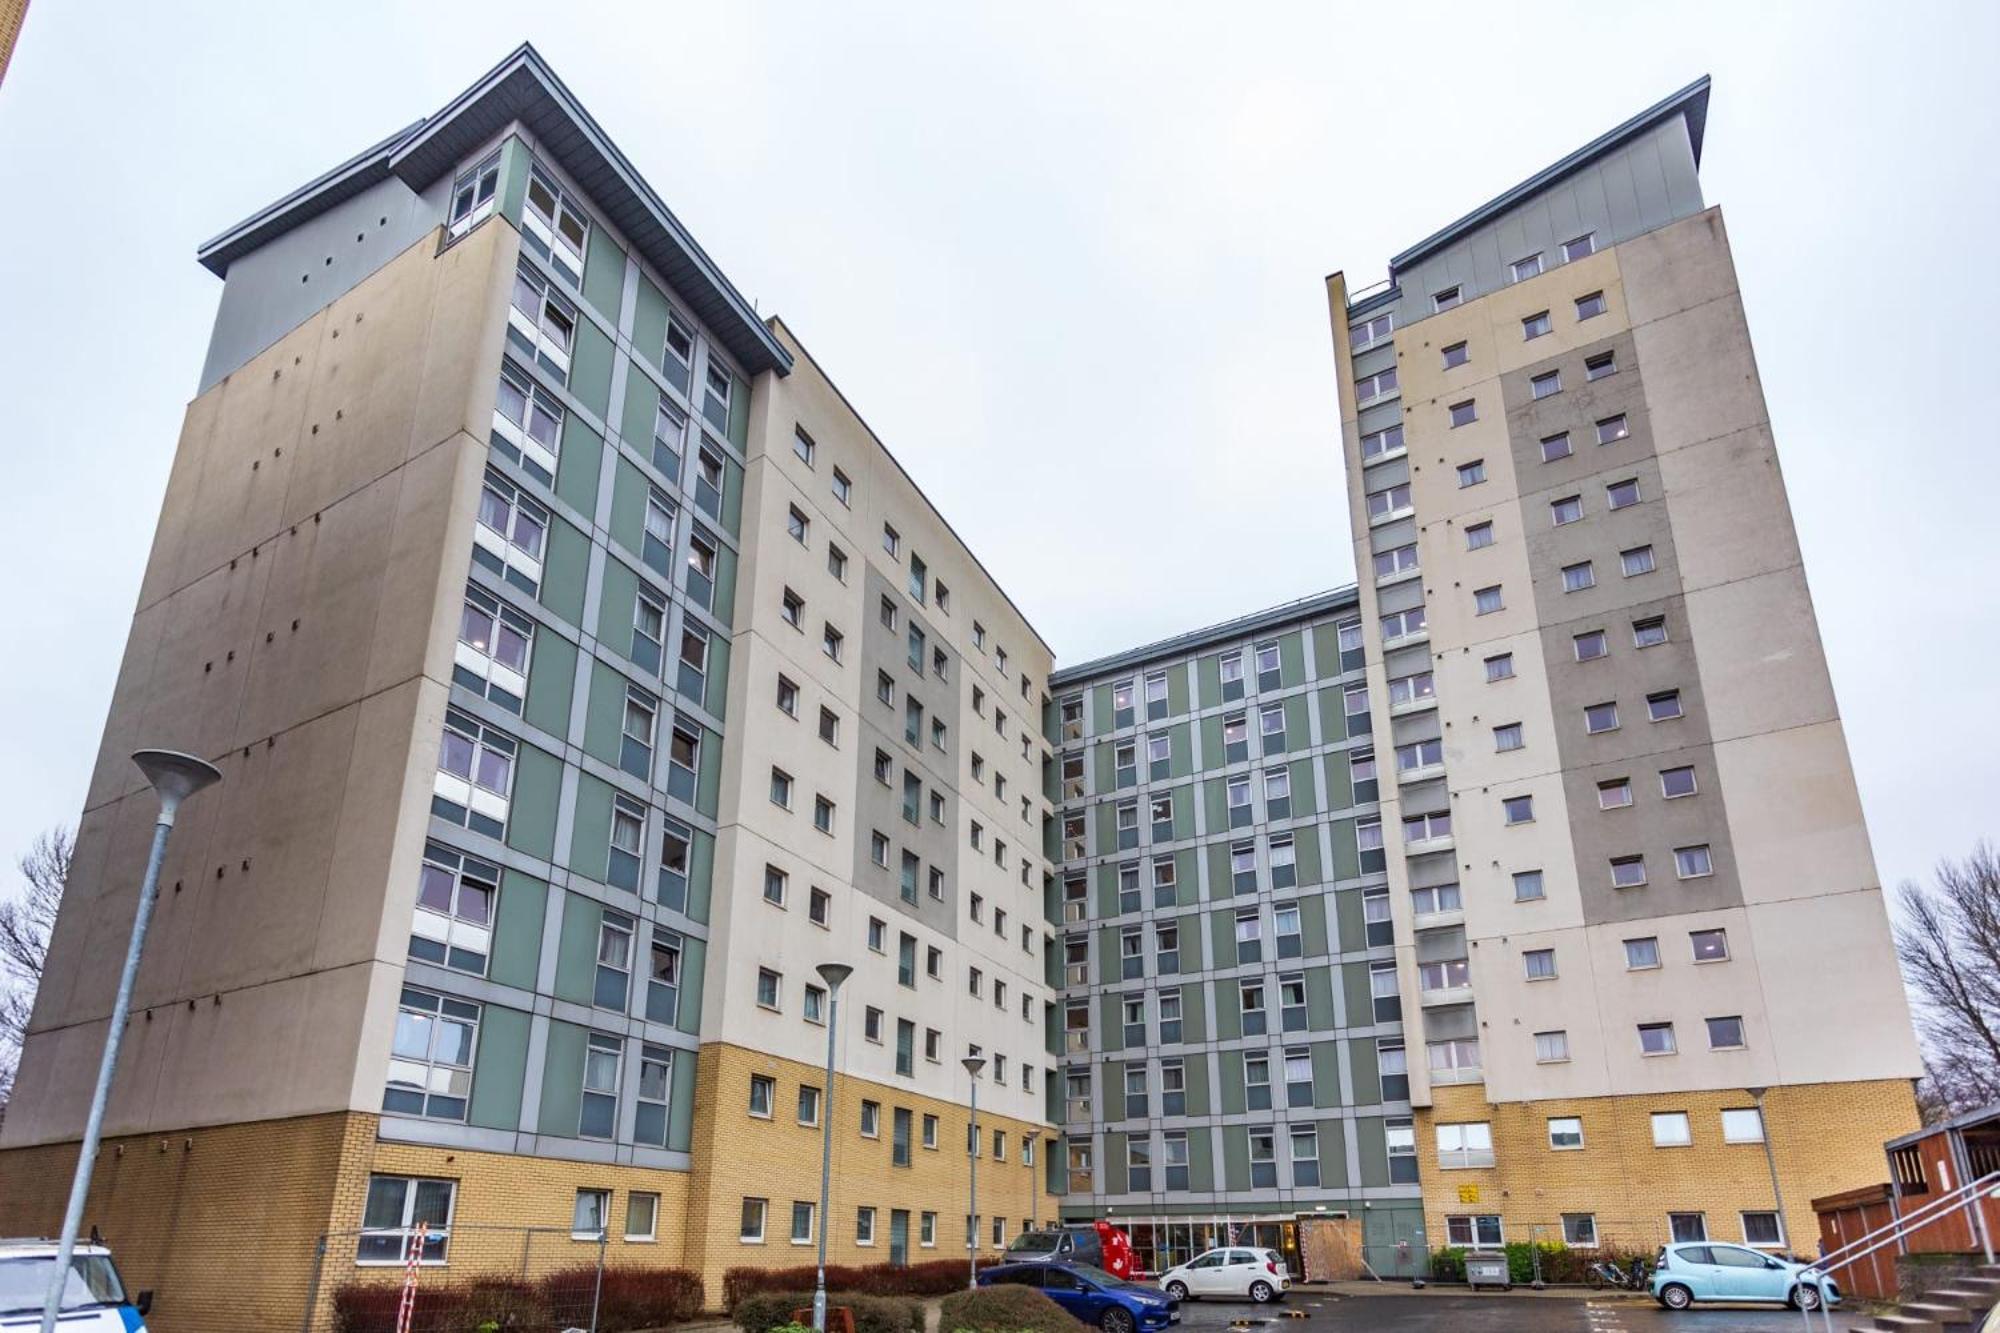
{"points": [[1826, 1137], [738, 1156]]}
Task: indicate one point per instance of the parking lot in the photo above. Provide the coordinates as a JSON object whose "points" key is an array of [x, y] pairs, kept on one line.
{"points": [[1400, 1310]]}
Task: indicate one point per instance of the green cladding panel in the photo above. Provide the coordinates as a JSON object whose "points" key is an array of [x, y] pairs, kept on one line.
{"points": [[1100, 763], [576, 949], [701, 880], [604, 274], [590, 369], [1372, 1148], [618, 599], [1112, 1023], [1298, 726], [1177, 690], [1349, 918], [551, 682], [1191, 960], [1332, 717], [604, 714], [1107, 828], [566, 571], [642, 401], [1194, 1012], [739, 412], [1219, 885], [732, 492], [531, 816], [715, 695], [649, 333], [694, 966], [1187, 876], [1201, 1159], [1115, 1164], [1228, 1011], [1107, 889], [562, 1080], [1211, 741], [1230, 1094], [590, 835], [1326, 649], [1100, 709], [1319, 999], [517, 930], [1209, 671], [1292, 659], [499, 1069], [1112, 1078], [1365, 1070], [628, 506], [724, 605], [1215, 802], [1183, 799], [1222, 937], [577, 467], [1196, 1068], [1339, 781], [708, 782], [1332, 1154], [1360, 1000], [1304, 796], [1312, 925], [1346, 854], [1306, 843], [1180, 761], [1236, 1158], [1326, 1073], [514, 159], [680, 1104]]}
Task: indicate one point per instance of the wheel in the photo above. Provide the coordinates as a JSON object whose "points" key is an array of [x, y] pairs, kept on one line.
{"points": [[1676, 1297], [1593, 1278], [1177, 1290], [1803, 1298], [1261, 1291], [1117, 1320]]}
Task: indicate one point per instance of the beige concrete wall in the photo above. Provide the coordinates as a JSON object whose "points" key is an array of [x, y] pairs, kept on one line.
{"points": [[294, 627]]}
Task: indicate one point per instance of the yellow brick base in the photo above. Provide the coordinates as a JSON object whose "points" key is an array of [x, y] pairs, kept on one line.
{"points": [[739, 1156], [1826, 1137]]}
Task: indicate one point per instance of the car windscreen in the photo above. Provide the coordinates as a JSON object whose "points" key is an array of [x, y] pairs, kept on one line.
{"points": [[1034, 1242], [24, 1283]]}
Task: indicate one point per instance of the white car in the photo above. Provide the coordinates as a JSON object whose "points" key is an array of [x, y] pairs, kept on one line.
{"points": [[94, 1301], [1257, 1275]]}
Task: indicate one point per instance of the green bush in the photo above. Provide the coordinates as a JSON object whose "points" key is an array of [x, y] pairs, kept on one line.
{"points": [[1448, 1264], [1004, 1309], [767, 1310], [933, 1277]]}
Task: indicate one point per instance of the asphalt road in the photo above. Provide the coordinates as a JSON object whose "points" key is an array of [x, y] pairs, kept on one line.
{"points": [[1494, 1312]]}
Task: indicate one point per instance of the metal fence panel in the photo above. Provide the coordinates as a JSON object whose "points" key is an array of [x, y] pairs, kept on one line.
{"points": [[470, 1279]]}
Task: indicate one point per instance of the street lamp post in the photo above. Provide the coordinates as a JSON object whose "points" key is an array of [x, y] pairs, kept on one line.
{"points": [[973, 1064], [833, 974], [175, 777], [1771, 1160]]}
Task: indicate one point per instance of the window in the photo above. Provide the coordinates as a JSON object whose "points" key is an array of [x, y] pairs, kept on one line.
{"points": [[1657, 1039], [802, 1222], [1410, 689], [1638, 560], [1451, 974], [1670, 1128], [1569, 509], [876, 929], [1590, 645], [453, 921], [1433, 899], [1710, 946], [1579, 576], [1551, 1047], [1517, 810], [1527, 886], [919, 581], [1614, 794], [587, 1216], [396, 1206], [1464, 414], [798, 525], [1642, 953], [1499, 667], [472, 199], [1574, 249], [1478, 535], [494, 641], [1388, 564], [1628, 872], [1419, 754], [1546, 385], [1485, 601], [892, 541], [649, 628], [1379, 385], [1425, 828], [829, 727], [1395, 625], [1687, 1227], [1579, 1230], [1591, 306], [1482, 1231], [1461, 1146], [614, 962], [1368, 332], [1664, 706], [1597, 367], [815, 1004], [700, 580], [788, 696], [1555, 447], [1539, 964], [1600, 717], [878, 848], [603, 1059], [1565, 1132], [475, 774], [1523, 269], [1445, 299], [781, 788], [642, 1215], [1375, 444], [1726, 1033], [792, 608], [1764, 1230], [1612, 429], [1535, 325], [831, 642], [1506, 736], [770, 988], [1649, 633], [430, 1058], [1743, 1125], [1455, 355], [1380, 504], [871, 1120]]}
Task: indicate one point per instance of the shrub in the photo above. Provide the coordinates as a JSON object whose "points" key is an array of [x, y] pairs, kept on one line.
{"points": [[938, 1277], [1448, 1264], [630, 1298], [370, 1307], [1004, 1309], [766, 1310]]}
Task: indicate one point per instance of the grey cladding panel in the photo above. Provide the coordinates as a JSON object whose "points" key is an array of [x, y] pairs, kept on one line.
{"points": [[263, 298]]}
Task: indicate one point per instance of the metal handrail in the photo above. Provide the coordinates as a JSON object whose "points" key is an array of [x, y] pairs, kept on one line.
{"points": [[1966, 1197]]}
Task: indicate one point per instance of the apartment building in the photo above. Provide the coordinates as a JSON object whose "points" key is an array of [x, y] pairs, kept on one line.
{"points": [[1638, 926], [1233, 1051], [583, 673]]}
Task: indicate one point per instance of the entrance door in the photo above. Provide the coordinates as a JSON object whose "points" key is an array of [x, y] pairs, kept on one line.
{"points": [[899, 1237]]}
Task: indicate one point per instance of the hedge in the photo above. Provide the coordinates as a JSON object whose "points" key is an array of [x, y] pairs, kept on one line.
{"points": [[766, 1310], [1562, 1265], [631, 1298], [938, 1277], [1004, 1309]]}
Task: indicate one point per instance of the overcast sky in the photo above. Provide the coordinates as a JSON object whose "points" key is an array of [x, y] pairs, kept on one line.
{"points": [[1068, 261]]}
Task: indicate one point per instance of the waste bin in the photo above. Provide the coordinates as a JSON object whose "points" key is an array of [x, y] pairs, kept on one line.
{"points": [[1487, 1270]]}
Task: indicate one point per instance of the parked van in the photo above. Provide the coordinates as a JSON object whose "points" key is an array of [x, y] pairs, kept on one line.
{"points": [[93, 1302]]}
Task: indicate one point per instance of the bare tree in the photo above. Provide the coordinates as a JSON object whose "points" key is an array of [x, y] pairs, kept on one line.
{"points": [[25, 925], [1949, 946]]}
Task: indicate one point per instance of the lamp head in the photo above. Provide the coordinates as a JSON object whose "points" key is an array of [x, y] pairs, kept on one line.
{"points": [[973, 1064], [175, 776], [833, 974]]}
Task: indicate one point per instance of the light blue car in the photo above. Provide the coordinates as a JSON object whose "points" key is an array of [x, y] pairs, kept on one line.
{"points": [[1707, 1271]]}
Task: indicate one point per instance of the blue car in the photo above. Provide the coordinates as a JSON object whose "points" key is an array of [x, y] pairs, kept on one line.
{"points": [[1091, 1295], [1690, 1272]]}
